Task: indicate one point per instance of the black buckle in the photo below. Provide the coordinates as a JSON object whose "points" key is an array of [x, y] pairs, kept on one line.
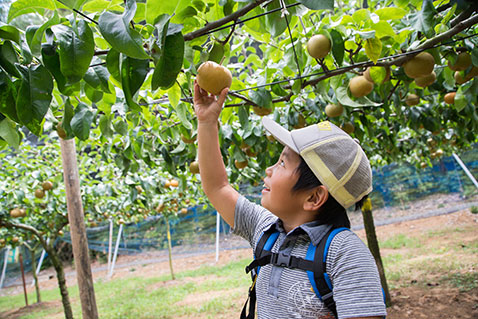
{"points": [[281, 259]]}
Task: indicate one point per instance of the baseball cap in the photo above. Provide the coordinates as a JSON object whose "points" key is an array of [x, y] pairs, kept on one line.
{"points": [[334, 157]]}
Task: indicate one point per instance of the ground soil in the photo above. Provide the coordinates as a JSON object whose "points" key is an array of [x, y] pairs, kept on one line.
{"points": [[429, 299]]}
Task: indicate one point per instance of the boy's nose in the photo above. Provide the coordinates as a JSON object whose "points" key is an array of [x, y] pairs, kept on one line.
{"points": [[269, 171]]}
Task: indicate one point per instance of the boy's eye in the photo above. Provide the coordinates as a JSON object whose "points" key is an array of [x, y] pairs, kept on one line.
{"points": [[282, 163]]}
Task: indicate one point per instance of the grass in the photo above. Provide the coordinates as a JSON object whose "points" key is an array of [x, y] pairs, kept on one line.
{"points": [[144, 298], [446, 257], [425, 258]]}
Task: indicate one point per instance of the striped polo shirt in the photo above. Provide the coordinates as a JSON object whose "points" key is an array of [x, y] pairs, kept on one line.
{"points": [[287, 293]]}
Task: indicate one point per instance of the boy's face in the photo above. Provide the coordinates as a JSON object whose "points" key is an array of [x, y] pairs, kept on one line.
{"points": [[277, 195]]}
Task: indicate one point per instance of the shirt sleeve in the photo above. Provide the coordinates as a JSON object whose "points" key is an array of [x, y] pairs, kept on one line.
{"points": [[250, 220], [356, 283]]}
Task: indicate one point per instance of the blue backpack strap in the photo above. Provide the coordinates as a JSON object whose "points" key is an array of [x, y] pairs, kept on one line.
{"points": [[262, 255], [318, 277], [271, 239]]}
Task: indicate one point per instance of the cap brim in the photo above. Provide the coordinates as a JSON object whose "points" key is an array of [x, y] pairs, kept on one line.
{"points": [[279, 133]]}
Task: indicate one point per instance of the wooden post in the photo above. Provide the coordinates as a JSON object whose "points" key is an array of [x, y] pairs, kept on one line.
{"points": [[78, 229], [4, 270], [20, 259], [373, 246], [168, 235]]}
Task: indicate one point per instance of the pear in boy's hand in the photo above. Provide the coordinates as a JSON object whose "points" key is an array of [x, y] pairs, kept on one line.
{"points": [[213, 77]]}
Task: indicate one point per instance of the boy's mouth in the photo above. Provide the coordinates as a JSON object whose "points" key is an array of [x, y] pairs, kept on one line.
{"points": [[266, 189]]}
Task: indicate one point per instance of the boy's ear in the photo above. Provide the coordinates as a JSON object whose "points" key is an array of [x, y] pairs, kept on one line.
{"points": [[316, 198]]}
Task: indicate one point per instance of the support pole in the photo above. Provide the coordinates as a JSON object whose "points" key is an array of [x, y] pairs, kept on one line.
{"points": [[468, 173], [110, 244], [372, 242], [118, 239], [4, 270], [79, 240], [20, 259], [42, 257], [218, 226]]}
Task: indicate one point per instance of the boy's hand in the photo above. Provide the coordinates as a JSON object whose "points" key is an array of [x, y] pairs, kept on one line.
{"points": [[208, 107]]}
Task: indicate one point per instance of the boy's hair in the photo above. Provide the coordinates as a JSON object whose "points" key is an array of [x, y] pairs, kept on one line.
{"points": [[331, 212]]}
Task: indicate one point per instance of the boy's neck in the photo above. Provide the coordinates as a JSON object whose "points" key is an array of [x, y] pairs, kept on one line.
{"points": [[291, 224]]}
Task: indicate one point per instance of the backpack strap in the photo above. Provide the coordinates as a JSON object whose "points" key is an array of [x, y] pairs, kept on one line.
{"points": [[318, 277], [262, 256]]}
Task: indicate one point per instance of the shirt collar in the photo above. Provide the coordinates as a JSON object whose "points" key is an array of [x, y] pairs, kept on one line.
{"points": [[313, 229]]}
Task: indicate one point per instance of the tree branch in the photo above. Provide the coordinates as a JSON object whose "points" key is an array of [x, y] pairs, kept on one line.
{"points": [[25, 227], [439, 38], [402, 58], [232, 17], [242, 97], [465, 14]]}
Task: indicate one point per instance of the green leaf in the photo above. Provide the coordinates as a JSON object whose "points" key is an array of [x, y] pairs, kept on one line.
{"points": [[318, 4], [133, 73], [216, 53], [460, 99], [243, 113], [121, 127], [51, 60], [76, 49], [383, 29], [344, 99], [365, 35], [9, 32], [361, 15], [373, 48], [103, 75], [155, 8], [275, 23], [68, 114], [81, 121], [261, 97], [8, 94], [74, 4], [37, 36], [171, 59], [116, 30], [138, 69], [474, 56], [92, 94], [113, 64], [34, 96], [424, 20], [8, 58], [179, 148], [338, 47], [91, 78], [174, 95], [390, 13], [378, 74], [20, 7], [278, 90], [9, 133], [182, 111], [105, 126]]}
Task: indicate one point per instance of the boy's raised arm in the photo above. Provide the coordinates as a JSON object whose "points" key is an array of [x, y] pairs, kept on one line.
{"points": [[211, 166]]}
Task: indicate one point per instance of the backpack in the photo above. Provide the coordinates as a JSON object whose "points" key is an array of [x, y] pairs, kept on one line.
{"points": [[314, 264]]}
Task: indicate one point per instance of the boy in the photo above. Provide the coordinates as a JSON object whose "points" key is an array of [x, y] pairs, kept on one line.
{"points": [[304, 196]]}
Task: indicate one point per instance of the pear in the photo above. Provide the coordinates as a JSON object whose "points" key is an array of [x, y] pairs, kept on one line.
{"points": [[213, 77]]}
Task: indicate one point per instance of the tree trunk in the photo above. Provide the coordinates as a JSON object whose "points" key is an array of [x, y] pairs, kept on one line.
{"points": [[374, 248], [78, 230], [168, 231], [60, 275], [34, 274]]}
